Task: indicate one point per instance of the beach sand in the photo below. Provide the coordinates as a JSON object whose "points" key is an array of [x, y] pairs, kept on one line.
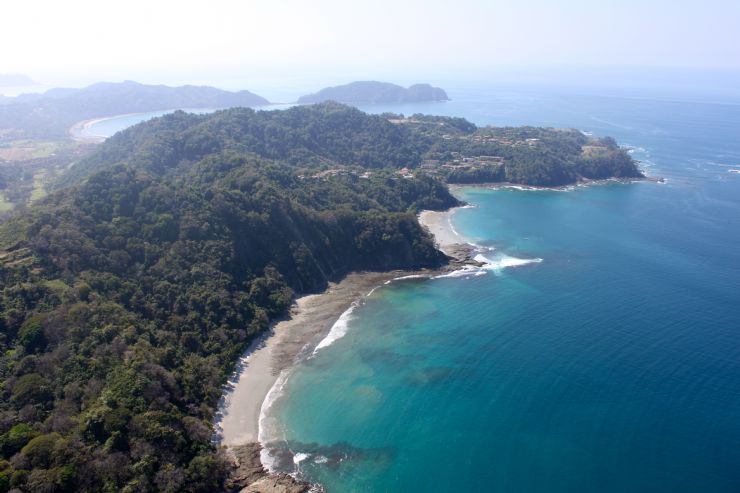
{"points": [[438, 224], [80, 130]]}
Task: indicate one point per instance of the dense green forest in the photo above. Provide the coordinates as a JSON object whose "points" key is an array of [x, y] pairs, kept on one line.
{"points": [[129, 293], [527, 155]]}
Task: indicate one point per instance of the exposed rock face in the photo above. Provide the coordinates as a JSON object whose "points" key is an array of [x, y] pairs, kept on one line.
{"points": [[461, 254], [281, 483], [248, 475]]}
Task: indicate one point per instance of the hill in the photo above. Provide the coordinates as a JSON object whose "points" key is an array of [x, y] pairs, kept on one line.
{"points": [[376, 92], [49, 115]]}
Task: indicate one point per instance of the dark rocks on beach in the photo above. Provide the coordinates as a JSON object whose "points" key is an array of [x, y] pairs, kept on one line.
{"points": [[461, 254], [249, 476]]}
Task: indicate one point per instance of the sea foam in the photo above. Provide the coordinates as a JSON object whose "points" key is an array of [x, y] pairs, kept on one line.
{"points": [[268, 426], [338, 330], [502, 261], [492, 263], [405, 278], [466, 271], [300, 457]]}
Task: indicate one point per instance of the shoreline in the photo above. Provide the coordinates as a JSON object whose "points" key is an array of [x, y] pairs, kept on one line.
{"points": [[439, 226], [503, 185], [285, 343], [238, 421], [78, 130]]}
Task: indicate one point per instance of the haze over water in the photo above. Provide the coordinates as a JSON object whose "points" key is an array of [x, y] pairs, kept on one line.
{"points": [[613, 365]]}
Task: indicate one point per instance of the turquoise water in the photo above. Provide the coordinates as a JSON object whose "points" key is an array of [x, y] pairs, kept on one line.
{"points": [[612, 366]]}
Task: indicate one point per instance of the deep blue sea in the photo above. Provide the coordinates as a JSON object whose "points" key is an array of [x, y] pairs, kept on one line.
{"points": [[613, 365]]}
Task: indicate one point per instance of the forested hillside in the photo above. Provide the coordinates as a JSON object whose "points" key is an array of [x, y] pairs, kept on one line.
{"points": [[303, 136], [535, 156]]}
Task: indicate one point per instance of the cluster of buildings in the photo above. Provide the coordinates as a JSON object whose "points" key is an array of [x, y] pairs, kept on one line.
{"points": [[459, 162]]}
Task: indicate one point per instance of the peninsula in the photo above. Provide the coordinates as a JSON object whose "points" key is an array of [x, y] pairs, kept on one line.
{"points": [[376, 92]]}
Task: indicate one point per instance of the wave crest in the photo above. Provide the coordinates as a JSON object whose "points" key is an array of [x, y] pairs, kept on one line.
{"points": [[338, 330]]}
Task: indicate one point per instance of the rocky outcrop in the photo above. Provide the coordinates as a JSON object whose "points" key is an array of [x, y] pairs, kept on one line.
{"points": [[249, 476]]}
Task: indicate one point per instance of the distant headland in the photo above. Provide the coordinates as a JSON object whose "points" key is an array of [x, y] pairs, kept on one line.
{"points": [[376, 92], [51, 114]]}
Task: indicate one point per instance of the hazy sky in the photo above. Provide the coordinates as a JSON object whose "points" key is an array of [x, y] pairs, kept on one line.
{"points": [[97, 39]]}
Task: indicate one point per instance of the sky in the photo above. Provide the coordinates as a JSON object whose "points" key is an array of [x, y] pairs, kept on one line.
{"points": [[94, 40]]}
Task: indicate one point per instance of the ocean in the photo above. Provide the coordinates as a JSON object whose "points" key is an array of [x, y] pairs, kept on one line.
{"points": [[611, 365]]}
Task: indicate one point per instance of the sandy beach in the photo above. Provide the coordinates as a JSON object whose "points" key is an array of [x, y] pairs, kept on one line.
{"points": [[80, 130], [438, 224], [310, 320]]}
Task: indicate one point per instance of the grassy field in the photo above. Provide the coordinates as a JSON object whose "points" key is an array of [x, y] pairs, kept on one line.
{"points": [[39, 186], [21, 150], [5, 204]]}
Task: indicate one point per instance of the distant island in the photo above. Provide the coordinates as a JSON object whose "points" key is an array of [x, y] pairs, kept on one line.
{"points": [[15, 80], [376, 92], [49, 115]]}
